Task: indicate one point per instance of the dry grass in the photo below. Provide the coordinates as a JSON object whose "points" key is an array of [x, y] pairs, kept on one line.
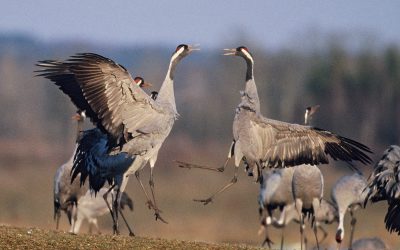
{"points": [[35, 238]]}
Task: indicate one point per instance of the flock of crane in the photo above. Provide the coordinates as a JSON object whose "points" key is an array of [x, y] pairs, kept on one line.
{"points": [[130, 127]]}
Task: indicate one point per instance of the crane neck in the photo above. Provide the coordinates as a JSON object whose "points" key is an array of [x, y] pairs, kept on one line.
{"points": [[166, 94], [250, 95]]}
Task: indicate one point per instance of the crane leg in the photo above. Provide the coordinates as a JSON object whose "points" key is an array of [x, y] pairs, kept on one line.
{"points": [[182, 164], [156, 210], [149, 202], [264, 227], [108, 204], [116, 206], [352, 227], [126, 223], [57, 216], [299, 206], [233, 181], [315, 233], [282, 237]]}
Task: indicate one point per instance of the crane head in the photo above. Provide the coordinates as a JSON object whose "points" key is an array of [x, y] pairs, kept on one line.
{"points": [[339, 236], [154, 95], [309, 113], [183, 50], [139, 81], [241, 51]]}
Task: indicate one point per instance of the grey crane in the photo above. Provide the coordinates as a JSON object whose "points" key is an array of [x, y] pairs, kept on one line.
{"points": [[384, 184], [67, 193], [348, 194], [308, 189], [91, 207], [299, 185], [307, 186], [131, 126], [370, 244], [275, 193], [264, 142], [326, 213]]}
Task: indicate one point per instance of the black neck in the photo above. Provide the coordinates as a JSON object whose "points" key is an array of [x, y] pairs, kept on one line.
{"points": [[249, 72]]}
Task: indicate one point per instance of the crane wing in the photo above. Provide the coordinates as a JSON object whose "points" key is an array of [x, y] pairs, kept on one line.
{"points": [[95, 84], [289, 144]]}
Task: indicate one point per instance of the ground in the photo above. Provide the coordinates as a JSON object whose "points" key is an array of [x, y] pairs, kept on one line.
{"points": [[36, 238]]}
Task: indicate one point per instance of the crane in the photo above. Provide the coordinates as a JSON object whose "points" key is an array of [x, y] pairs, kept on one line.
{"points": [[131, 126], [67, 194], [264, 142], [348, 194], [384, 184]]}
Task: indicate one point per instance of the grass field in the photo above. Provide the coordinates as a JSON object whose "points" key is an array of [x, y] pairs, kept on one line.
{"points": [[35, 238]]}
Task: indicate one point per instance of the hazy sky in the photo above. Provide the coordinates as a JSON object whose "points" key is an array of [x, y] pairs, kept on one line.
{"points": [[209, 23]]}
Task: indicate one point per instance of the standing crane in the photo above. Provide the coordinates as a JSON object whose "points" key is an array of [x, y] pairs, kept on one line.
{"points": [[326, 213], [384, 184], [348, 193], [275, 192], [67, 194], [131, 126], [264, 142], [299, 188], [308, 187]]}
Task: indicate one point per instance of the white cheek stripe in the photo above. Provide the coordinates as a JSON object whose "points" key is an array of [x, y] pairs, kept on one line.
{"points": [[247, 55], [177, 53]]}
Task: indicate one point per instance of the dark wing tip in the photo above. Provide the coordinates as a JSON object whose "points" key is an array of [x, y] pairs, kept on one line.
{"points": [[392, 218], [347, 149]]}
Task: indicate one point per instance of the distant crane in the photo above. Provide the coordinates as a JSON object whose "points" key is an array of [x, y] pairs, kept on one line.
{"points": [[67, 194], [131, 125], [307, 187], [301, 184], [91, 207], [384, 184], [275, 192], [326, 214], [264, 142], [348, 193]]}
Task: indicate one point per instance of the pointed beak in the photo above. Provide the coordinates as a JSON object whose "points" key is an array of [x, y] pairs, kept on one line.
{"points": [[230, 52], [194, 47], [146, 85]]}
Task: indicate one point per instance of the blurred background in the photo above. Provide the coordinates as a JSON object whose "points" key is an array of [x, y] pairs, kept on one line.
{"points": [[341, 55]]}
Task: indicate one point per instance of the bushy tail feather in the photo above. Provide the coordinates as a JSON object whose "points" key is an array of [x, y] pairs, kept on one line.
{"points": [[92, 158]]}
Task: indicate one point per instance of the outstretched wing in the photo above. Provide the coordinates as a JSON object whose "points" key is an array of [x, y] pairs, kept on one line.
{"points": [[95, 84], [288, 144]]}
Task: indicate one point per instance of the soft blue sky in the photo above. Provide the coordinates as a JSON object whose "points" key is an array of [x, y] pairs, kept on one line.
{"points": [[210, 23]]}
